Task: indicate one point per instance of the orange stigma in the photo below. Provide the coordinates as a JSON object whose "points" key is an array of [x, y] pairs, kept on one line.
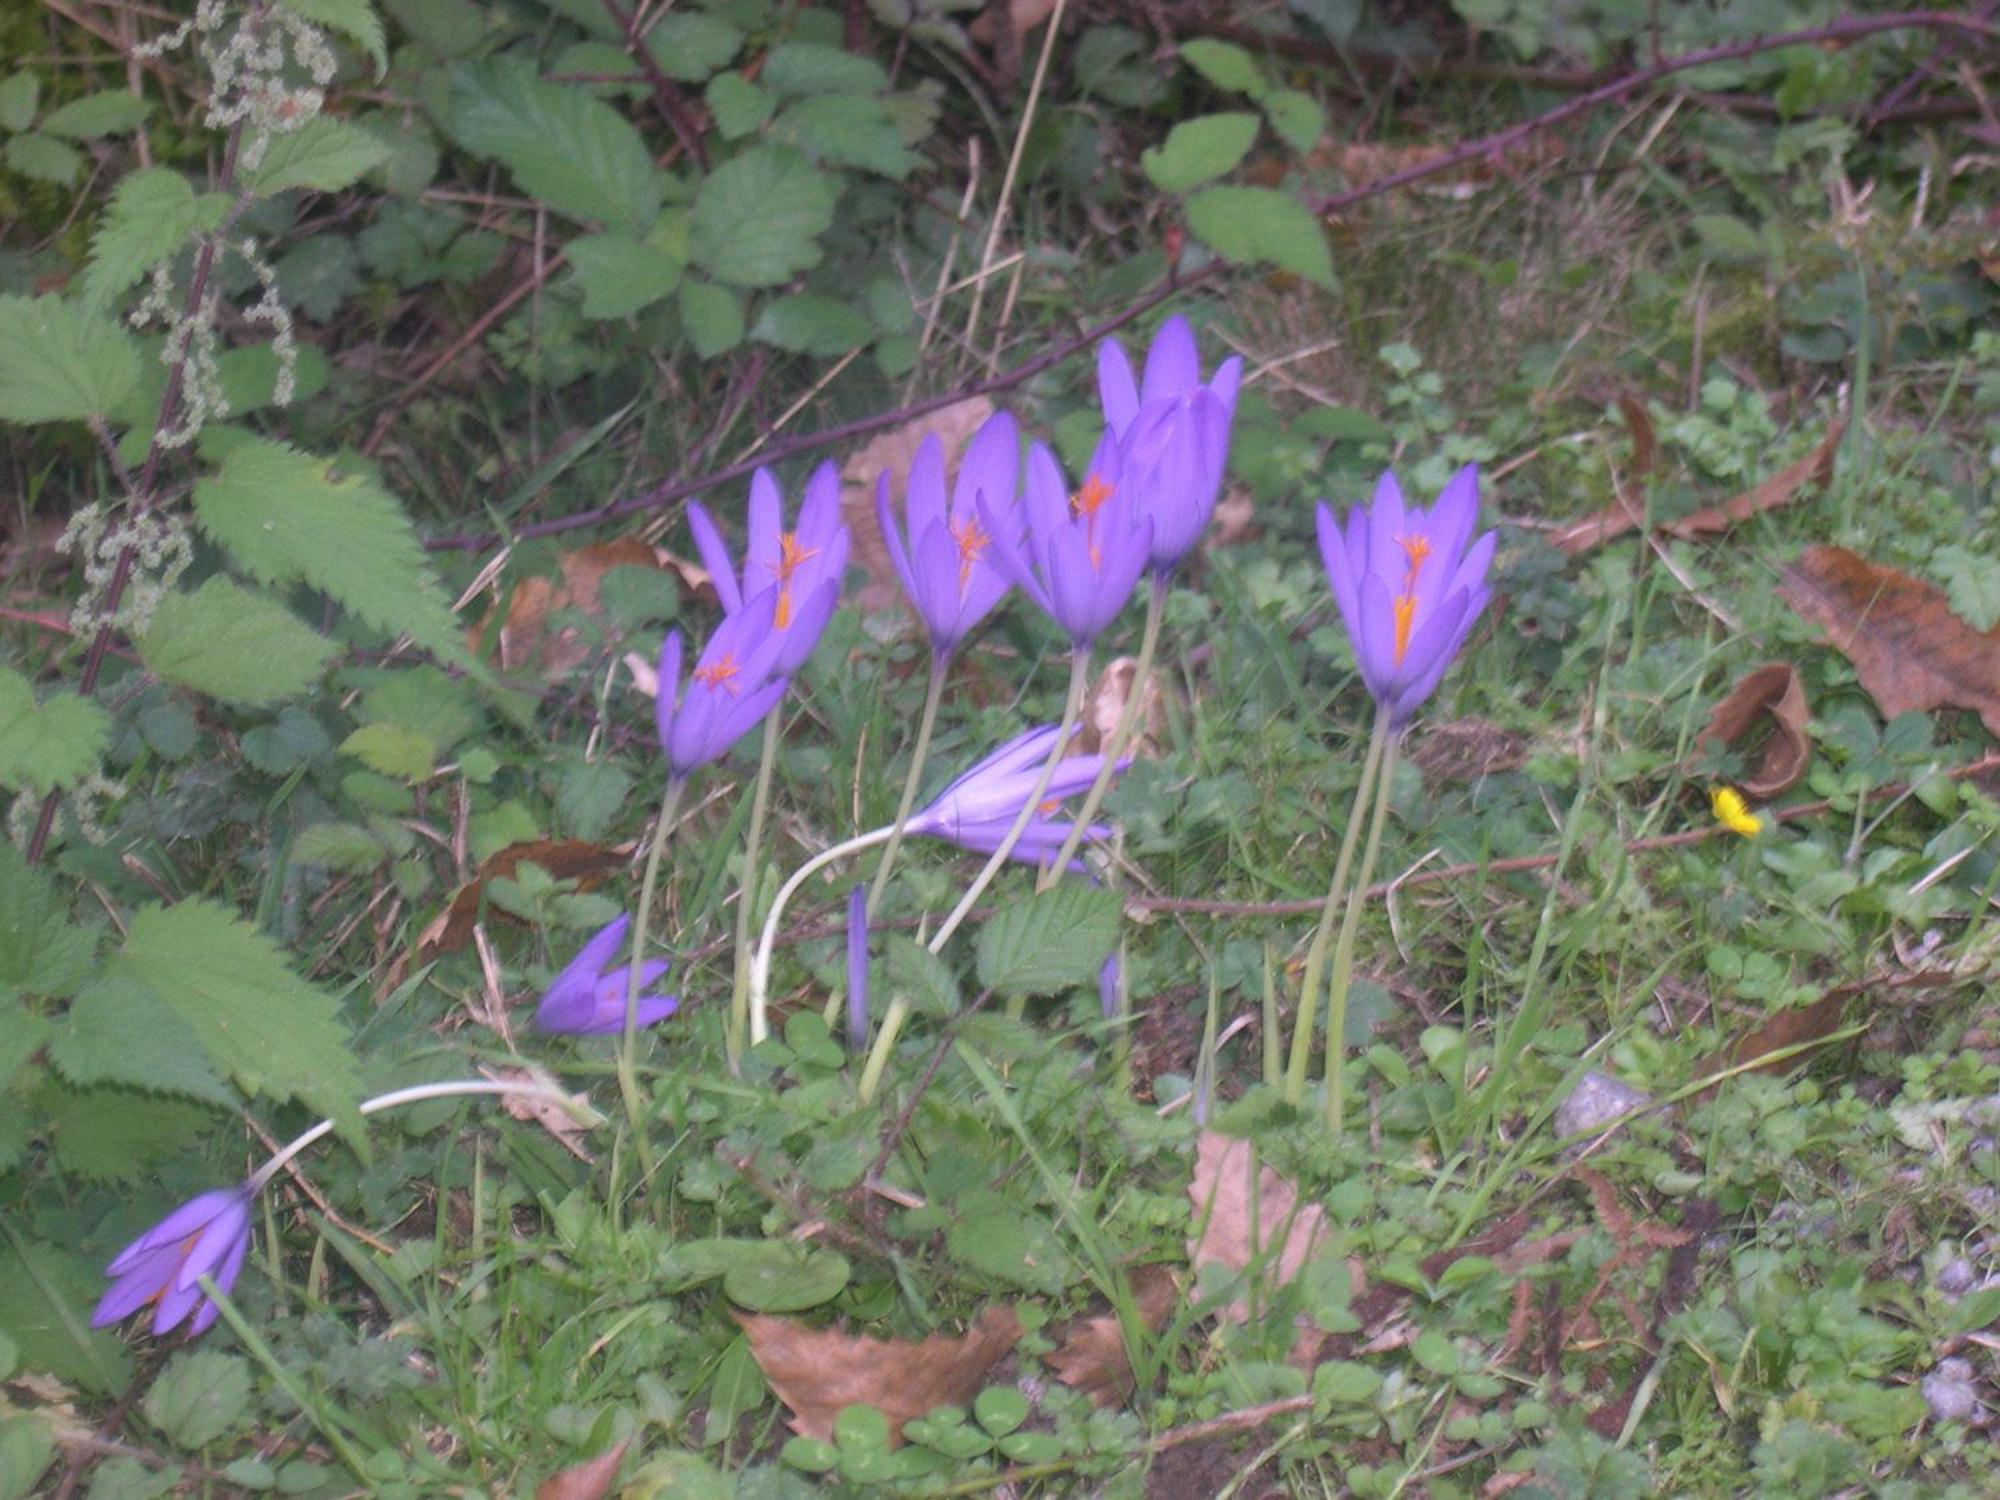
{"points": [[1417, 549], [1084, 505], [972, 543], [723, 673], [790, 556]]}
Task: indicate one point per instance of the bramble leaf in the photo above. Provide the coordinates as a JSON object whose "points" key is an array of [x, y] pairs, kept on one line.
{"points": [[1053, 941], [1243, 224], [1198, 151], [758, 217]]}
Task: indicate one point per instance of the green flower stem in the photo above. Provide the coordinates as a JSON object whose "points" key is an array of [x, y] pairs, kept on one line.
{"points": [[885, 1043], [1079, 681], [1308, 1009], [760, 963], [940, 667], [628, 1041], [746, 898], [1343, 952], [1121, 734]]}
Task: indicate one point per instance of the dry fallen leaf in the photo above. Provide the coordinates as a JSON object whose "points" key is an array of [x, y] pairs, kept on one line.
{"points": [[1780, 489], [1800, 1026], [589, 1480], [1092, 1357], [1235, 521], [1023, 16], [1628, 504], [1463, 750], [1910, 651], [817, 1372], [1363, 163], [1107, 702], [566, 859], [1768, 702], [525, 637], [892, 453]]}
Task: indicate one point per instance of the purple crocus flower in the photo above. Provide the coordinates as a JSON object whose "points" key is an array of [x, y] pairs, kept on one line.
{"points": [[208, 1235], [977, 809], [943, 562], [857, 967], [733, 685], [1084, 552], [801, 569], [1174, 432], [1108, 979], [1408, 585], [587, 999]]}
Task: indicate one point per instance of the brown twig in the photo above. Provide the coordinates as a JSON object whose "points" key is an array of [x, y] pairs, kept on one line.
{"points": [[667, 96]]}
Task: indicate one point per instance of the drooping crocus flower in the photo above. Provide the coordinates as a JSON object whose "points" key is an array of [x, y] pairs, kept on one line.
{"points": [[1408, 585], [1173, 430], [208, 1235], [1084, 552], [588, 999], [801, 568], [1109, 978], [977, 809], [857, 967], [734, 684], [943, 560]]}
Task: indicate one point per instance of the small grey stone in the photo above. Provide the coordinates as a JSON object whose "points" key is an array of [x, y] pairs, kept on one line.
{"points": [[1949, 1400], [1954, 1276], [1956, 1369], [1595, 1102]]}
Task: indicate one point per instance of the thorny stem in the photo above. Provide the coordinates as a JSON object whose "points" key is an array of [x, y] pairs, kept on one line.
{"points": [[1121, 735], [1079, 681], [760, 965], [746, 898], [628, 1039], [1343, 952], [1308, 1007], [940, 666]]}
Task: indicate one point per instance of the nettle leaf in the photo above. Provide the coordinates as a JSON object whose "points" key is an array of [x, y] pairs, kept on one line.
{"points": [[795, 68], [1053, 941], [811, 324], [49, 744], [120, 1033], [44, 158], [1198, 151], [234, 645], [288, 517], [758, 217], [151, 213], [112, 112], [60, 362], [620, 274], [392, 750], [323, 154], [112, 1134], [43, 949], [1246, 224], [848, 130], [354, 19], [712, 316], [573, 152], [256, 1019]]}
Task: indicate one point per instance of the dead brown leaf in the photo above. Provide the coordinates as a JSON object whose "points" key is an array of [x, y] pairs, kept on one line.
{"points": [[1365, 162], [1800, 1026], [1767, 703], [1463, 750], [1107, 702], [1023, 16], [1628, 504], [566, 859], [589, 1480], [1235, 520], [1910, 651], [1092, 1357], [526, 637], [817, 1372], [892, 453], [1780, 489]]}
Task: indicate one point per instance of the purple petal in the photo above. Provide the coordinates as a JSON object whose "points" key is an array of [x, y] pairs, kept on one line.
{"points": [[1009, 559], [767, 520], [857, 967], [1339, 574], [892, 538], [667, 688], [1454, 516], [225, 1280], [935, 593], [189, 1218], [991, 466], [923, 496], [715, 557], [1115, 389], [1173, 367], [1387, 520], [1376, 648], [1227, 380]]}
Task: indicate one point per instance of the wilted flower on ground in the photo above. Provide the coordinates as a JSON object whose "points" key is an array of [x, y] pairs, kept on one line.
{"points": [[208, 1235], [977, 809], [943, 561], [857, 967], [587, 999], [800, 569], [1173, 433], [734, 684], [1408, 585], [1084, 551]]}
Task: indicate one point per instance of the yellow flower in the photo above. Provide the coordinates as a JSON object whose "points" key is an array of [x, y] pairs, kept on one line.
{"points": [[1731, 812]]}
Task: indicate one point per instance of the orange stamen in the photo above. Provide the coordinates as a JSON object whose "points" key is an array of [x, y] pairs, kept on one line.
{"points": [[723, 673], [972, 544], [1406, 613], [790, 556], [1417, 549], [1084, 505]]}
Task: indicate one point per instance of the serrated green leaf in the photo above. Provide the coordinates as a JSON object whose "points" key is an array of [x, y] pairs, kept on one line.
{"points": [[119, 1033], [288, 517], [115, 1134], [620, 274], [1297, 117], [1971, 584], [922, 979], [323, 154], [354, 19], [257, 1020], [43, 949], [1225, 65], [738, 105], [234, 645], [758, 217], [45, 1291], [811, 324], [112, 112], [847, 130], [1055, 940], [713, 317], [796, 68], [49, 744], [20, 94], [589, 796], [1727, 238], [346, 847], [392, 750], [318, 276], [44, 158], [151, 213], [1198, 151], [199, 1396], [573, 152], [690, 44], [22, 1032], [1247, 224], [60, 362]]}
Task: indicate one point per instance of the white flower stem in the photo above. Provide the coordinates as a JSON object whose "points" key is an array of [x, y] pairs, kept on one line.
{"points": [[760, 967], [1343, 951], [940, 665], [628, 1040], [746, 897]]}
